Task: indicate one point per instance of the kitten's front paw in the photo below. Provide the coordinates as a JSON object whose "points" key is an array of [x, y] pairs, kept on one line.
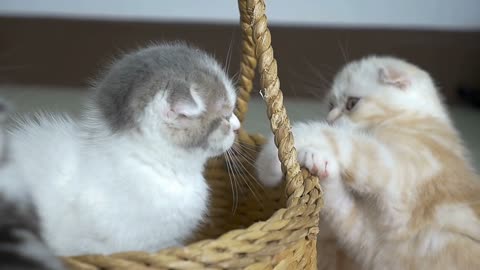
{"points": [[318, 162], [268, 166]]}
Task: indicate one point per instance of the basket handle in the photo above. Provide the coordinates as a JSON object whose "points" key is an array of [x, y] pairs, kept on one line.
{"points": [[248, 62], [257, 31]]}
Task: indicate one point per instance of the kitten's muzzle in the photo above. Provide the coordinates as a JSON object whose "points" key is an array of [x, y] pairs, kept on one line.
{"points": [[333, 115]]}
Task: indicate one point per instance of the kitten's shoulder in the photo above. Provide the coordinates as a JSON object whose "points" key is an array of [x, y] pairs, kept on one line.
{"points": [[42, 130]]}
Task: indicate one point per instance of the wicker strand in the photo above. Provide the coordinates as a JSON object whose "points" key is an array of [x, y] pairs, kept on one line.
{"points": [[248, 62], [280, 124]]}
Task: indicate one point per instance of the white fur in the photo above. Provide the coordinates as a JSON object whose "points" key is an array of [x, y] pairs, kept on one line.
{"points": [[98, 192], [113, 195]]}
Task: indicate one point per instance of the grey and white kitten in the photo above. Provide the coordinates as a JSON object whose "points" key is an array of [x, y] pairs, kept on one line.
{"points": [[21, 246], [128, 175]]}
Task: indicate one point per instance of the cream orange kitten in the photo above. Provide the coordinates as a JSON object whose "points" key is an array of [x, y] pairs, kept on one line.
{"points": [[399, 189]]}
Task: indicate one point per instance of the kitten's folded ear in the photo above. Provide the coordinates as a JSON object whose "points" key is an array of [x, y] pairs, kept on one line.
{"points": [[393, 76], [184, 102]]}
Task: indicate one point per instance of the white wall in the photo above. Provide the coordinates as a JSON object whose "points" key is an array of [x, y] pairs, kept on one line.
{"points": [[430, 14]]}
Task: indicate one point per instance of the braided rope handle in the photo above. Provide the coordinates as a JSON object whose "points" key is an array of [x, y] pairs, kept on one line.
{"points": [[258, 32], [248, 62]]}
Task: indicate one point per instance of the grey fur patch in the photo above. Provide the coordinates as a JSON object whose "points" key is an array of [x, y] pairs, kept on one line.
{"points": [[17, 215]]}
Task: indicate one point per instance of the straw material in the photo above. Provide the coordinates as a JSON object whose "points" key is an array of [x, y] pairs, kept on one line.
{"points": [[259, 228]]}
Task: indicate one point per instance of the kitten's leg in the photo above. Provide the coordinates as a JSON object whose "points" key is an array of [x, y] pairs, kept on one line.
{"points": [[341, 212], [347, 165], [340, 208]]}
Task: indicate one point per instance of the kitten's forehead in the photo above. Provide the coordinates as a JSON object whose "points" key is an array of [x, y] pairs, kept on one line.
{"points": [[201, 73], [358, 77]]}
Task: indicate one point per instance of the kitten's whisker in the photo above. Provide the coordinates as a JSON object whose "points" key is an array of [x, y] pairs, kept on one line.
{"points": [[229, 53], [317, 73], [321, 83], [231, 176], [250, 147], [244, 156], [316, 89], [237, 173], [255, 181], [247, 150], [241, 168], [252, 189], [235, 77], [342, 50], [331, 70], [293, 89], [235, 178], [315, 93], [244, 151], [248, 159], [347, 49]]}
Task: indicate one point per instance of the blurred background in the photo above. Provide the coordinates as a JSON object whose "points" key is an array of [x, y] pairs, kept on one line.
{"points": [[50, 49]]}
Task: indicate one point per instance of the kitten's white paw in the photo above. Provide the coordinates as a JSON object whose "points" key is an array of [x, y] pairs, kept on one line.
{"points": [[318, 162]]}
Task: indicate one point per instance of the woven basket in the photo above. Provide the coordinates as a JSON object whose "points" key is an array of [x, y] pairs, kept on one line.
{"points": [[268, 228]]}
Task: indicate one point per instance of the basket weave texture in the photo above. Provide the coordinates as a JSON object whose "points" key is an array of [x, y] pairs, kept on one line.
{"points": [[265, 229]]}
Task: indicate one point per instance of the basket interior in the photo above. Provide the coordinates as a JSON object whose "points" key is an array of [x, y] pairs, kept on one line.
{"points": [[237, 198]]}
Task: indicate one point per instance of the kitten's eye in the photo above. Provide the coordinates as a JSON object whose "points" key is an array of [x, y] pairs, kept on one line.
{"points": [[351, 102]]}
